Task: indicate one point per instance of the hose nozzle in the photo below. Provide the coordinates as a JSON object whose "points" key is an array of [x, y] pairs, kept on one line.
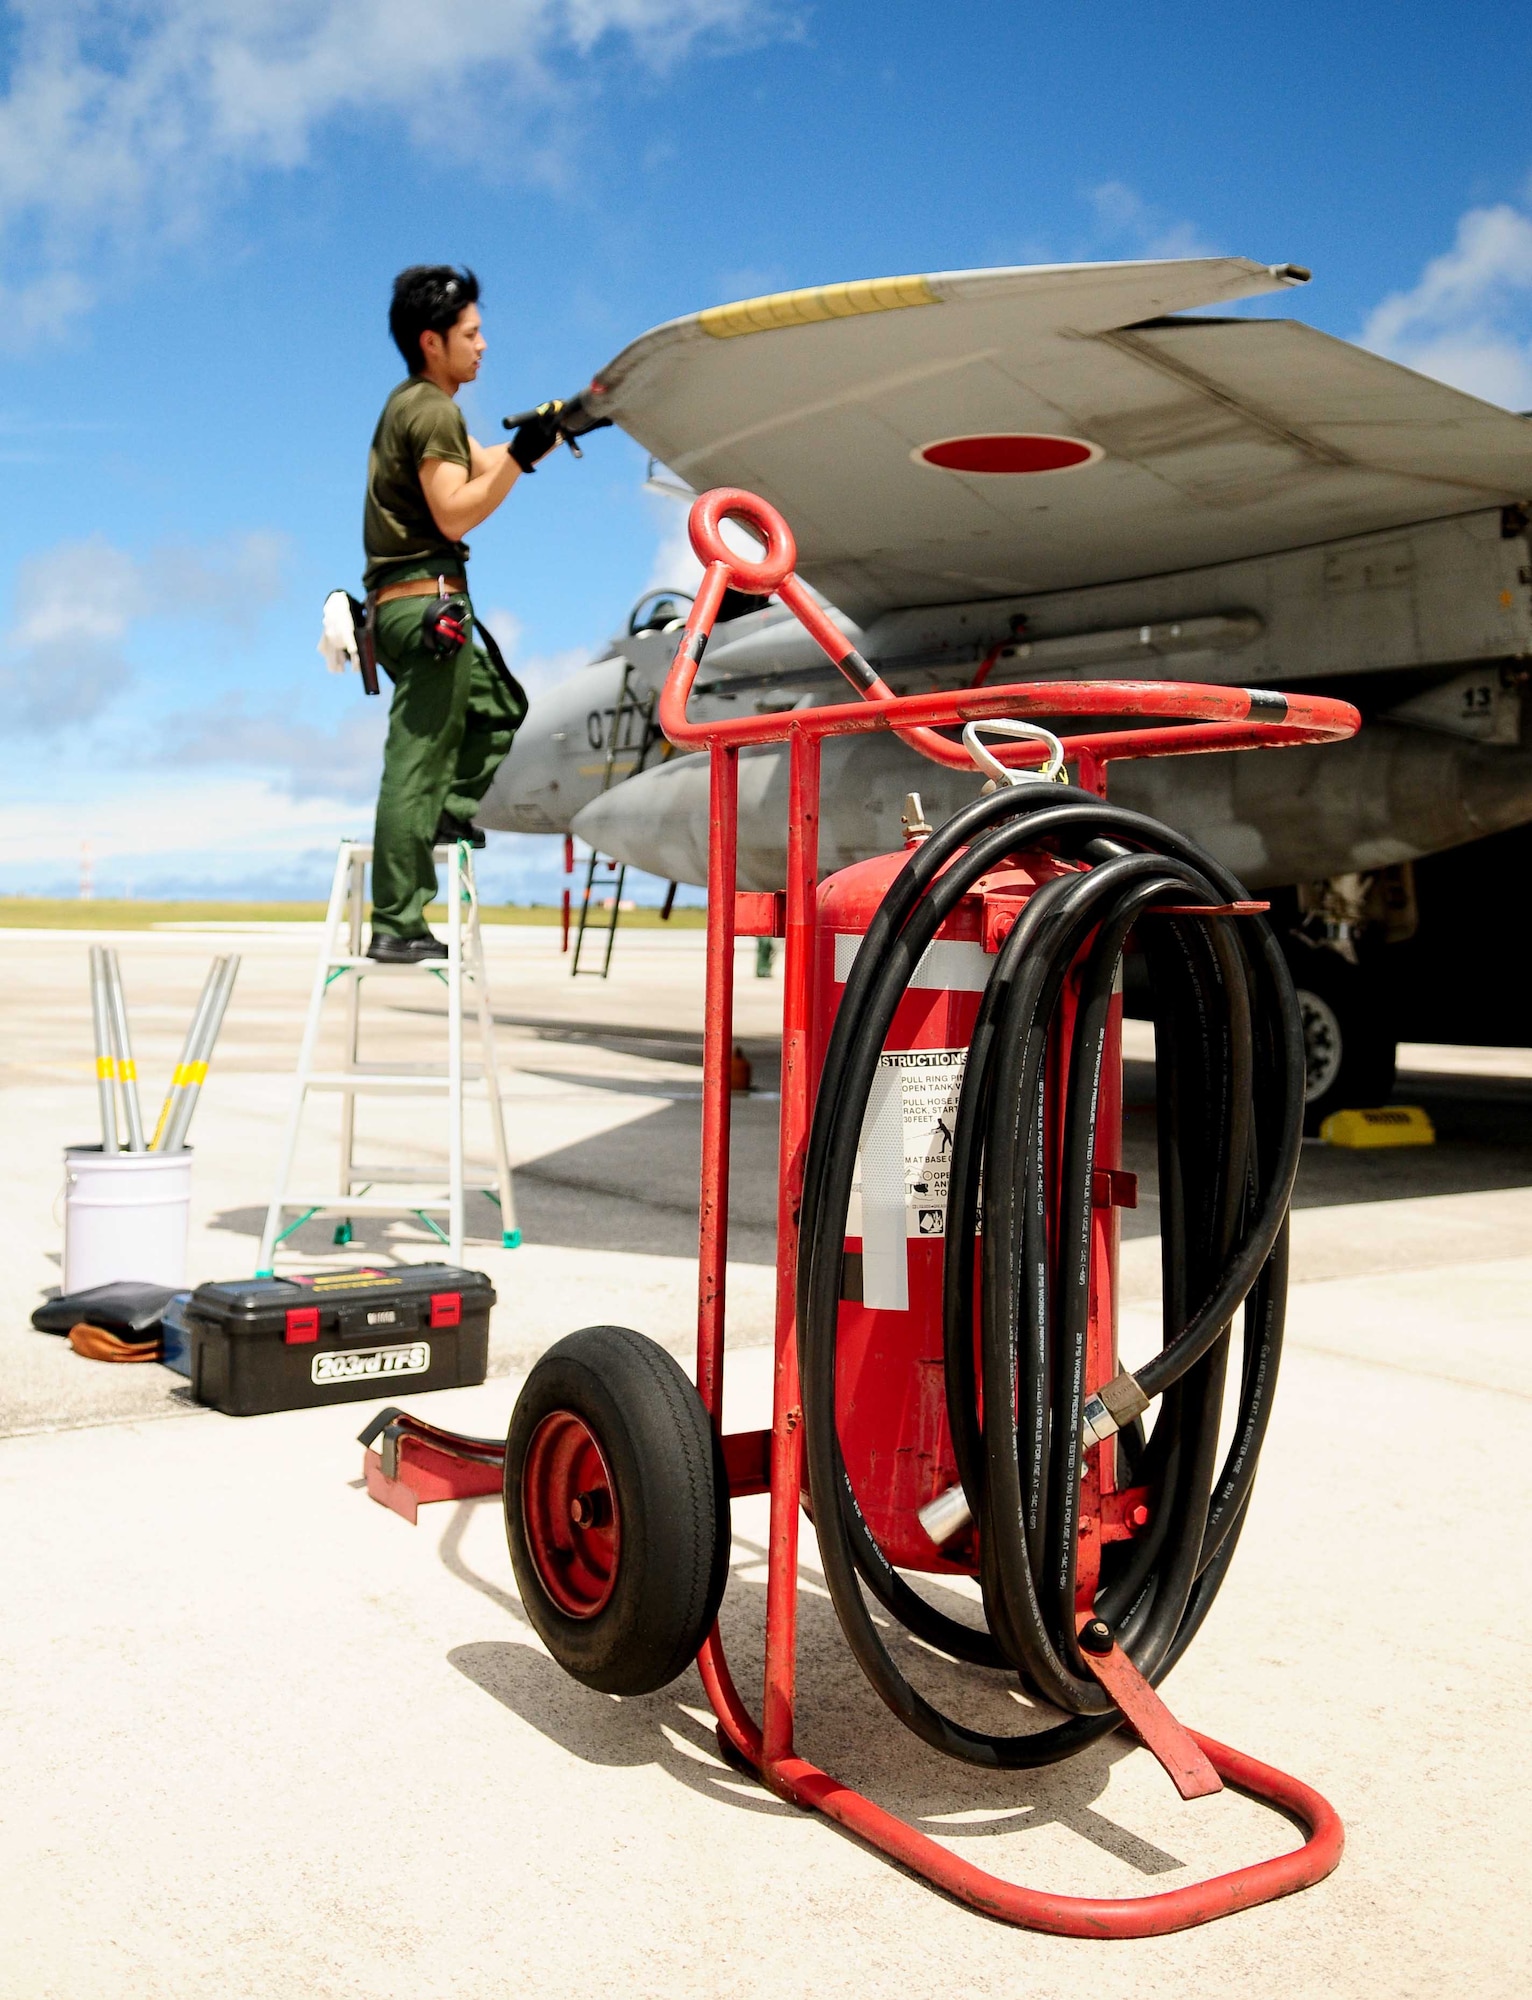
{"points": [[1114, 1404], [945, 1517]]}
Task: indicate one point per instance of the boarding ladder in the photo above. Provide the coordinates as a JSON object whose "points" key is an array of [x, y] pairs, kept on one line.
{"points": [[632, 718], [342, 965]]}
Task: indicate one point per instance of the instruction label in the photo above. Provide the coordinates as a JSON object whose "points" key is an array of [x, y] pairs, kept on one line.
{"points": [[929, 1083], [904, 1166], [349, 1364], [905, 1160]]}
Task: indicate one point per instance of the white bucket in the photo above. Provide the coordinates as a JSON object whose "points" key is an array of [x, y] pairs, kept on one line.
{"points": [[125, 1217]]}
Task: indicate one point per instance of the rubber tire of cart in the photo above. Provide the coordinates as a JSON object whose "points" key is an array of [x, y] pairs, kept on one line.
{"points": [[1348, 1037], [672, 1501]]}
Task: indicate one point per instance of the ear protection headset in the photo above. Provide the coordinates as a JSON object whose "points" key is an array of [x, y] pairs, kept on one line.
{"points": [[444, 622]]}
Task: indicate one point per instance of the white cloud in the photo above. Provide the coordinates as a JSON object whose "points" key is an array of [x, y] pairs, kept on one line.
{"points": [[92, 590], [119, 121], [295, 758], [304, 761], [88, 591], [537, 672], [675, 565], [61, 661], [1124, 220], [1468, 320], [219, 823]]}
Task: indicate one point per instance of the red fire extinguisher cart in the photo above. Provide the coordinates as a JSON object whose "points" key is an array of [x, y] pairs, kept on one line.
{"points": [[966, 992]]}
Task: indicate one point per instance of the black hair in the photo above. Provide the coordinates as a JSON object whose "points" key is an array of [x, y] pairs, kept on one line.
{"points": [[427, 299]]}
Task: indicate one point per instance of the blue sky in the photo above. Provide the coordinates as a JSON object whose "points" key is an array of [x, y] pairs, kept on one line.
{"points": [[202, 207]]}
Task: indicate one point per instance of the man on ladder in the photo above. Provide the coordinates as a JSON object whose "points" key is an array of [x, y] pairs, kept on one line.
{"points": [[456, 706]]}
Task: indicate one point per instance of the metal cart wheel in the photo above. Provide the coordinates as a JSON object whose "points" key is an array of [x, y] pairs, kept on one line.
{"points": [[569, 1515], [616, 1510]]}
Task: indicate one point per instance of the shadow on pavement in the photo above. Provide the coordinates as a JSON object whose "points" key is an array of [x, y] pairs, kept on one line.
{"points": [[634, 1187], [842, 1724], [1484, 1141], [676, 1045]]}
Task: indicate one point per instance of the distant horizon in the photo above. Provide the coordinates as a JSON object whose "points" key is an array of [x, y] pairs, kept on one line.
{"points": [[508, 875], [644, 890]]}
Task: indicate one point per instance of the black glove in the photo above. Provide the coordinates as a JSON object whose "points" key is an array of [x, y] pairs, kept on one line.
{"points": [[536, 434], [538, 431]]}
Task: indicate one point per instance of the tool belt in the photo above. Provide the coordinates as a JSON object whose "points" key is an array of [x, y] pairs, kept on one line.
{"points": [[364, 619], [366, 641], [421, 586]]}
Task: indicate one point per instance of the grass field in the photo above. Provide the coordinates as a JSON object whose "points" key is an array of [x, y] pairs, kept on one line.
{"points": [[109, 914]]}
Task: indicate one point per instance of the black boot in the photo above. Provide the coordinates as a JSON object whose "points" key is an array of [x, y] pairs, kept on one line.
{"points": [[450, 828], [405, 951]]}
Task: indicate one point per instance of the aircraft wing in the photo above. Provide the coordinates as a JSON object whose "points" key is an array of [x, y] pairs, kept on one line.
{"points": [[1210, 439]]}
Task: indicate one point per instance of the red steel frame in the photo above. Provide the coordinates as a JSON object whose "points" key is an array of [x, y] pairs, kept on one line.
{"points": [[1184, 718], [422, 1462]]}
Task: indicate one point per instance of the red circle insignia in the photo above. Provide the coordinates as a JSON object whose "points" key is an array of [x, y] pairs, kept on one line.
{"points": [[1007, 452]]}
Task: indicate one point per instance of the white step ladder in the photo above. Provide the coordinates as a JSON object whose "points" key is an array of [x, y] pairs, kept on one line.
{"points": [[341, 959]]}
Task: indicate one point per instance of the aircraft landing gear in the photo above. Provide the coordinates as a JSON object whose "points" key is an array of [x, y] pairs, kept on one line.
{"points": [[1348, 1037]]}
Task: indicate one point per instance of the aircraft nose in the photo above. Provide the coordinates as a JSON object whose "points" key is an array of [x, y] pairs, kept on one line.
{"points": [[527, 795], [557, 761], [656, 821]]}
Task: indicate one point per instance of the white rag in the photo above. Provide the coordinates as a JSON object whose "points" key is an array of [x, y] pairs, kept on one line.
{"points": [[337, 636]]}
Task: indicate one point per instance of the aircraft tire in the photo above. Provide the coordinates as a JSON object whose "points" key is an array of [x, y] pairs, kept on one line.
{"points": [[1348, 1040]]}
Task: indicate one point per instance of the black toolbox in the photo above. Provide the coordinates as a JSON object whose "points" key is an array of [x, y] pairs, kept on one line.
{"points": [[263, 1344]]}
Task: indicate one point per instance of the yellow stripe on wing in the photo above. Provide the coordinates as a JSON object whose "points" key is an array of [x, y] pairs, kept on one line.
{"points": [[815, 303]]}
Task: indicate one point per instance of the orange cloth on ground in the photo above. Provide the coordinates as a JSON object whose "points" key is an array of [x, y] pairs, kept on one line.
{"points": [[96, 1344]]}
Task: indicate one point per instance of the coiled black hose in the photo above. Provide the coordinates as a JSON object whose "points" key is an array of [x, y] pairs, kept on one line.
{"points": [[1230, 1072]]}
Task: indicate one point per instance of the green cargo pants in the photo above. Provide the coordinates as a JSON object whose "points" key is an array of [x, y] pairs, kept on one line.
{"points": [[449, 725]]}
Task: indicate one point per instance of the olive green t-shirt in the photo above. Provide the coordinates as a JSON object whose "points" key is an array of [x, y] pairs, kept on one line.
{"points": [[400, 536]]}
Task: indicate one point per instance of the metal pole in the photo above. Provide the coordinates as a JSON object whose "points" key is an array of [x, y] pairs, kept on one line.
{"points": [[510, 1232], [106, 1067], [455, 855], [127, 1074], [717, 1042], [713, 1219], [346, 1178], [181, 1075], [329, 949], [787, 1414], [181, 1117]]}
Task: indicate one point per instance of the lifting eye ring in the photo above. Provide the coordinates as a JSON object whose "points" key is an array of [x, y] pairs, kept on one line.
{"points": [[705, 525], [1052, 771]]}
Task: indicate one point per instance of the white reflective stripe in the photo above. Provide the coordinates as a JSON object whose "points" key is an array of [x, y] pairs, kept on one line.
{"points": [[952, 965], [885, 1267]]}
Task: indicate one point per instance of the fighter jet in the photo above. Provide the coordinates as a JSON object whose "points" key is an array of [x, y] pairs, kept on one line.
{"points": [[1084, 471]]}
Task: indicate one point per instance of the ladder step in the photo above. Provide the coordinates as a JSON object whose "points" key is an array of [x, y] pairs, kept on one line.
{"points": [[356, 1083], [438, 965], [423, 1189], [358, 851], [368, 1204], [373, 1071]]}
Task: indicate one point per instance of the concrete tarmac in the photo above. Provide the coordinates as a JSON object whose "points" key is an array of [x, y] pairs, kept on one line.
{"points": [[266, 1739]]}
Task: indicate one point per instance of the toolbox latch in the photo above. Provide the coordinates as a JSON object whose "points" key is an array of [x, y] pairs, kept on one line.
{"points": [[446, 1309], [302, 1325]]}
